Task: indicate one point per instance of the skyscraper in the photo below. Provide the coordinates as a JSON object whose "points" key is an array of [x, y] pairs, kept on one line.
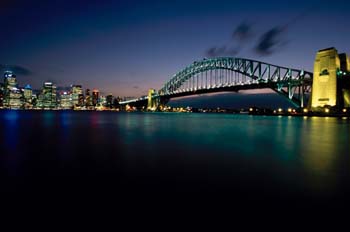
{"points": [[95, 97], [77, 95], [65, 100], [28, 94], [12, 95], [48, 97], [1, 94], [88, 100]]}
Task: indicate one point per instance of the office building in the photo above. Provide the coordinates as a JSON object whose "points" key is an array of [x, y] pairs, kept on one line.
{"points": [[65, 100], [48, 97], [95, 97], [77, 95], [12, 96]]}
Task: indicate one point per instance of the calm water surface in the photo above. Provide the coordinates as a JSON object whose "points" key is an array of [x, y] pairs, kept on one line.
{"points": [[240, 157]]}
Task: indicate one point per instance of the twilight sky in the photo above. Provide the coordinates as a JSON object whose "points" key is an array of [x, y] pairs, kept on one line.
{"points": [[127, 47]]}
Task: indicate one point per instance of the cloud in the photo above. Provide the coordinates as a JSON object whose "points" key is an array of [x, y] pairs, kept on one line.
{"points": [[136, 87], [270, 40], [243, 32], [17, 69], [221, 51]]}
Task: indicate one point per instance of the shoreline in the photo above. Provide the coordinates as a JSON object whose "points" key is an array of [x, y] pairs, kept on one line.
{"points": [[210, 111]]}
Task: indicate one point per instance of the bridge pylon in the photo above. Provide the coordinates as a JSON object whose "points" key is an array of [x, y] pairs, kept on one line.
{"points": [[153, 100], [331, 80]]}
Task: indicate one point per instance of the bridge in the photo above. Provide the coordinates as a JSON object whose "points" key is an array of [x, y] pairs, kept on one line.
{"points": [[225, 74]]}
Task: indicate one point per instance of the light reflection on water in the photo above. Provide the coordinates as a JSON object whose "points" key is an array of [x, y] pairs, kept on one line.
{"points": [[289, 155]]}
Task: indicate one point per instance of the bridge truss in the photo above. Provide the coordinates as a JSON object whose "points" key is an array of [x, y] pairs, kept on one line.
{"points": [[234, 74]]}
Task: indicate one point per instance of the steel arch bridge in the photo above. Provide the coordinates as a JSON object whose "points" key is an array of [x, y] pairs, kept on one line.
{"points": [[233, 74]]}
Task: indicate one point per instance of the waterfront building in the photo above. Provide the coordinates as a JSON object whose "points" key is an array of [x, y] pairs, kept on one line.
{"points": [[34, 99], [95, 97], [109, 101], [48, 97], [88, 100], [65, 100], [102, 100], [12, 96], [77, 95], [28, 95], [1, 94]]}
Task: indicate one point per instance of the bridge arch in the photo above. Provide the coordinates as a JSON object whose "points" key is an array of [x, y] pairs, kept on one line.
{"points": [[234, 74]]}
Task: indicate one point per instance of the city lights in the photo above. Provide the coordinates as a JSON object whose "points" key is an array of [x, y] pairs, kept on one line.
{"points": [[49, 98]]}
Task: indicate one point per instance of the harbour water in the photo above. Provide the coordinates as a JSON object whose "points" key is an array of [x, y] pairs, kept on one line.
{"points": [[241, 157]]}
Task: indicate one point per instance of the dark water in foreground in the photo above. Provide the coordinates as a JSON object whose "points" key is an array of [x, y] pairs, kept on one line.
{"points": [[174, 157]]}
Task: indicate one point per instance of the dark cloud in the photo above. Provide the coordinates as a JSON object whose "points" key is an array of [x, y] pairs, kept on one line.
{"points": [[136, 87], [221, 51], [243, 32], [270, 40], [17, 69]]}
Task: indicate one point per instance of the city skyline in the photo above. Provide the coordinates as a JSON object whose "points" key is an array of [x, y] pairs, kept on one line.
{"points": [[128, 47], [49, 97]]}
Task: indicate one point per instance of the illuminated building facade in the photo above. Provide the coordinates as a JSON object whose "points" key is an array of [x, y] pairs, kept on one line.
{"points": [[28, 96], [95, 97], [152, 102], [48, 97], [77, 95], [88, 100], [324, 86], [65, 100], [102, 101], [330, 88], [1, 94], [12, 96]]}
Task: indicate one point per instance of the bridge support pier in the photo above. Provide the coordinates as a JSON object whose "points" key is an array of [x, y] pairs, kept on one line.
{"points": [[155, 102]]}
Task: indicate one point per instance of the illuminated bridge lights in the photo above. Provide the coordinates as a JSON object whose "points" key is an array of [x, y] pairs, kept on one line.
{"points": [[235, 74]]}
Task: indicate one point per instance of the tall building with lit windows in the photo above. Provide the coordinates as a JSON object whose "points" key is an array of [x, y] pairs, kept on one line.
{"points": [[28, 93], [95, 97], [1, 94], [12, 96], [48, 97], [28, 97], [88, 100], [65, 100], [77, 95]]}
